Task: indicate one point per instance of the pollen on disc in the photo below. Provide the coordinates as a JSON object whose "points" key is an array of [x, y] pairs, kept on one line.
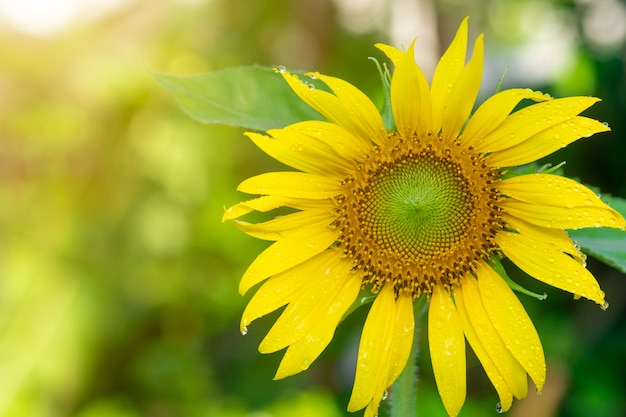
{"points": [[417, 215]]}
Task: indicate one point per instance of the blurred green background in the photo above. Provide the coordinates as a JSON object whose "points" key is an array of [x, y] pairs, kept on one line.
{"points": [[118, 281]]}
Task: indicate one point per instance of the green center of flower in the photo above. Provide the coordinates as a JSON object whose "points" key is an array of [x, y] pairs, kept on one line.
{"points": [[418, 214], [418, 207]]}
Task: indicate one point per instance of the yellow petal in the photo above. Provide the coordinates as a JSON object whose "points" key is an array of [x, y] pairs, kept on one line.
{"points": [[311, 303], [348, 107], [547, 141], [292, 184], [403, 335], [556, 202], [512, 323], [278, 290], [494, 111], [285, 226], [448, 70], [298, 150], [510, 369], [373, 360], [303, 352], [544, 262], [447, 350], [503, 390], [460, 101], [393, 53], [410, 96], [287, 253], [398, 351], [557, 237], [350, 147], [531, 120], [264, 204]]}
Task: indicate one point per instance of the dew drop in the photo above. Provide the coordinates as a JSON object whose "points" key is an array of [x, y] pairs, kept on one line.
{"points": [[281, 68], [244, 331], [385, 395], [312, 76], [542, 297], [605, 306], [605, 124], [311, 86], [499, 408]]}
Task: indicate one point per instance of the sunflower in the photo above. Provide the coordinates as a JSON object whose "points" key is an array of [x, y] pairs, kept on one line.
{"points": [[426, 209]]}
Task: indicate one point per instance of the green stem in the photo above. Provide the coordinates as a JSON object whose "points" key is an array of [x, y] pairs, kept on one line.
{"points": [[404, 390]]}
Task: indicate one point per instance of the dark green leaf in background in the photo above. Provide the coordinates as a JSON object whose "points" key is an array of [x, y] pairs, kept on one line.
{"points": [[251, 97], [606, 244]]}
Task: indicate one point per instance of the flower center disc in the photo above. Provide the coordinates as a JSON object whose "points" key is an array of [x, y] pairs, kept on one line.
{"points": [[419, 214], [418, 207]]}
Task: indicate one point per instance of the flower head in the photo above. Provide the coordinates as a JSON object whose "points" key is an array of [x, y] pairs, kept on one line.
{"points": [[422, 210]]}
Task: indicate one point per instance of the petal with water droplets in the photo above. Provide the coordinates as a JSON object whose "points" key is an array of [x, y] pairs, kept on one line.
{"points": [[293, 147], [447, 350], [547, 141], [460, 101], [494, 111], [503, 390], [263, 204], [306, 308], [556, 202], [446, 74], [529, 121], [512, 323], [410, 94], [285, 226], [279, 290], [557, 237], [292, 184], [303, 352], [374, 353], [286, 253], [546, 263], [510, 369], [348, 107]]}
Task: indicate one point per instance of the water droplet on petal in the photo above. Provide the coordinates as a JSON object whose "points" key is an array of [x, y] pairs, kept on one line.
{"points": [[311, 87], [499, 408], [244, 331], [605, 305], [281, 68], [385, 395], [605, 124]]}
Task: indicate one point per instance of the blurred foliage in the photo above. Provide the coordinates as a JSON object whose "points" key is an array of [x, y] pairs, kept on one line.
{"points": [[118, 282]]}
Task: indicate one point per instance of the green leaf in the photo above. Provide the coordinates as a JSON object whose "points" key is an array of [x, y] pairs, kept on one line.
{"points": [[253, 98], [606, 244]]}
